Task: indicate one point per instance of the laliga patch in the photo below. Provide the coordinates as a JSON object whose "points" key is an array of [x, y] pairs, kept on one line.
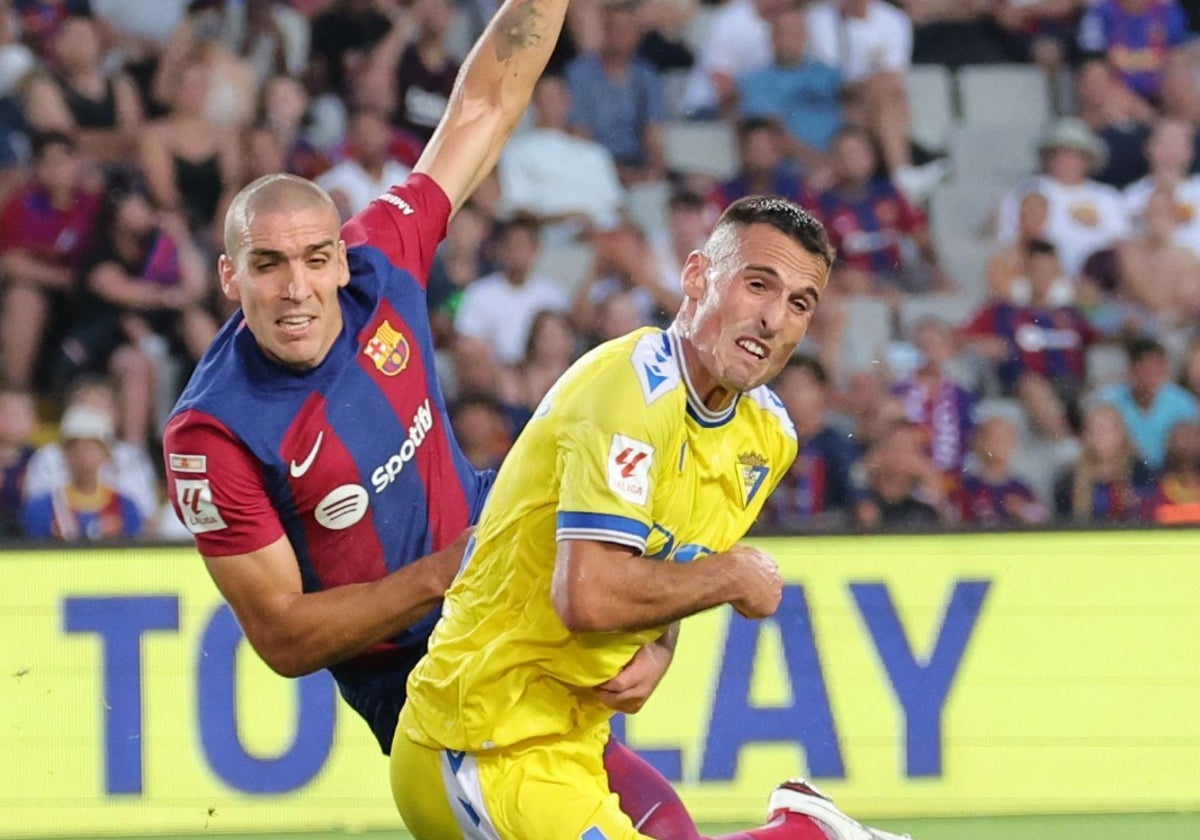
{"points": [[188, 463], [196, 506], [629, 463]]}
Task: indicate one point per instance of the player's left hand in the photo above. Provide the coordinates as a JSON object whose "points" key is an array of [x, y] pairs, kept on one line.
{"points": [[629, 690]]}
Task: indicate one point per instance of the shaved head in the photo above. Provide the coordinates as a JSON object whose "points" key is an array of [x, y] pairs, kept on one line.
{"points": [[277, 193]]}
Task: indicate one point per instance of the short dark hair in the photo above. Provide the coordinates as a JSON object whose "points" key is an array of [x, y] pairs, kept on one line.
{"points": [[1140, 346], [787, 217], [43, 140], [811, 364], [748, 125], [520, 221], [684, 199], [1040, 246]]}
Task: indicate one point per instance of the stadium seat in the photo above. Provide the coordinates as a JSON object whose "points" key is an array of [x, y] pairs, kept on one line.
{"points": [[647, 206], [867, 335], [931, 101], [674, 83], [701, 148], [953, 309], [964, 210], [1106, 363], [568, 264], [965, 260], [1004, 94], [998, 155]]}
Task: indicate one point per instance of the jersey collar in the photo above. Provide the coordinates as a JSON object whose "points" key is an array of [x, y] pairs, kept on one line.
{"points": [[696, 408]]}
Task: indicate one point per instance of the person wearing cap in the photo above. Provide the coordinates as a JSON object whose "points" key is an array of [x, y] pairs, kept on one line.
{"points": [[85, 509], [1084, 216]]}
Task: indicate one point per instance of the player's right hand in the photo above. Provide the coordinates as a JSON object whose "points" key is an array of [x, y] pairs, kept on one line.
{"points": [[758, 584]]}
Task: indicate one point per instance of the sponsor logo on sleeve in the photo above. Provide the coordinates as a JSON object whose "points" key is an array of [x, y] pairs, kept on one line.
{"points": [[629, 462], [188, 463], [197, 507], [396, 201], [388, 349]]}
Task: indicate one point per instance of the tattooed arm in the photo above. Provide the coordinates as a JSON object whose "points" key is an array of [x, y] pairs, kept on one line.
{"points": [[490, 95]]}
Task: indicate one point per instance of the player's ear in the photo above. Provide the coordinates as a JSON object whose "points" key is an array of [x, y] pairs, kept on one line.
{"points": [[343, 264], [228, 271], [695, 275]]}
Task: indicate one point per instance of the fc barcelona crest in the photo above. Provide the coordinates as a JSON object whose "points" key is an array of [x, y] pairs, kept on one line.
{"points": [[753, 469], [388, 349]]}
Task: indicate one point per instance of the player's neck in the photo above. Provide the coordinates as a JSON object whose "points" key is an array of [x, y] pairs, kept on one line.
{"points": [[711, 394]]}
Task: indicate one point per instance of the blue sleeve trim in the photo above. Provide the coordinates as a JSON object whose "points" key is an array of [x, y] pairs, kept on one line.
{"points": [[580, 521]]}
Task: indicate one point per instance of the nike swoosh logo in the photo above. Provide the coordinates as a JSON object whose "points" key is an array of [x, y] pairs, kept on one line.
{"points": [[300, 469]]}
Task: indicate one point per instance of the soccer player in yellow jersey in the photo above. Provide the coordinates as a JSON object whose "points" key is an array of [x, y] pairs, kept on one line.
{"points": [[616, 514]]}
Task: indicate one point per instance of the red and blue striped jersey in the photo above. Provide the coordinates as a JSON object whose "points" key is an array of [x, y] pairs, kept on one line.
{"points": [[1049, 341], [354, 460]]}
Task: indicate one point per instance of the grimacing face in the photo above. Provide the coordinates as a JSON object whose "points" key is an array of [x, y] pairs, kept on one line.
{"points": [[754, 299], [286, 274]]}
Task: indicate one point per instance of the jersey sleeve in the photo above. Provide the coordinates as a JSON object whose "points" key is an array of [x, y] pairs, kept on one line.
{"points": [[407, 222], [612, 454], [216, 487]]}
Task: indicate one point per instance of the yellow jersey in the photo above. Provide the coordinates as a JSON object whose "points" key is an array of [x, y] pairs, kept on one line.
{"points": [[620, 450]]}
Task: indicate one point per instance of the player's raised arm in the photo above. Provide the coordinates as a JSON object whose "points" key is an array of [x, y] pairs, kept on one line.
{"points": [[490, 95]]}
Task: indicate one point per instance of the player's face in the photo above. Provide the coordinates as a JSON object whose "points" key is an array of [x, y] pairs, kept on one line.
{"points": [[286, 276], [754, 302]]}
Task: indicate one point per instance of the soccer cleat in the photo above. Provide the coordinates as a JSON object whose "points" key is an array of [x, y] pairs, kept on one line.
{"points": [[800, 797]]}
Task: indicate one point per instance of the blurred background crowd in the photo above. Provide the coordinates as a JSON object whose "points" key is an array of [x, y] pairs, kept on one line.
{"points": [[1010, 336]]}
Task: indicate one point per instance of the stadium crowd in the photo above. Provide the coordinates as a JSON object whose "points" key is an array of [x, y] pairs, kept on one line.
{"points": [[1010, 336]]}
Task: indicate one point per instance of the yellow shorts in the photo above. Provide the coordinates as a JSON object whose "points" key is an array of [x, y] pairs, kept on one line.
{"points": [[552, 791]]}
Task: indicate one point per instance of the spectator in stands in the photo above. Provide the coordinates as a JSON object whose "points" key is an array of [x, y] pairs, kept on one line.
{"points": [[1176, 499], [558, 179], [45, 231], [1041, 31], [688, 225], [1107, 482], [1155, 271], [262, 153], [368, 169], [1170, 151], [818, 490], [459, 261], [551, 349], [424, 71], [1084, 216], [84, 508], [990, 494], [78, 98], [802, 94], [617, 314], [273, 37], [1121, 119], [664, 42], [1189, 370], [145, 292], [617, 99], [1038, 348], [883, 241], [762, 169], [1150, 404], [625, 264], [499, 309], [189, 163], [284, 108], [955, 33], [343, 34], [737, 42], [1137, 37], [17, 421], [870, 43], [904, 488], [482, 430], [1008, 268], [940, 407]]}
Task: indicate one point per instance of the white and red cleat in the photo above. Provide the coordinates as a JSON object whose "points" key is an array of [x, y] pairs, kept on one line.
{"points": [[800, 797]]}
